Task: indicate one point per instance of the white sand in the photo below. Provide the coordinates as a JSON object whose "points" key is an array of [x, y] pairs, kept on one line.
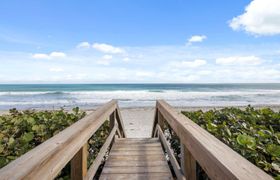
{"points": [[138, 122]]}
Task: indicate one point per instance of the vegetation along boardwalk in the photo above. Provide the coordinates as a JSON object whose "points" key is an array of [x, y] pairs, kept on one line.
{"points": [[133, 158]]}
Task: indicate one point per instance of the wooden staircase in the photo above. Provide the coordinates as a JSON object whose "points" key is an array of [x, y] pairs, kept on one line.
{"points": [[136, 158]]}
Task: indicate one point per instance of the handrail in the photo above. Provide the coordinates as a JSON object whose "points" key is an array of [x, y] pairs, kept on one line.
{"points": [[46, 160], [197, 145], [94, 167], [177, 169]]}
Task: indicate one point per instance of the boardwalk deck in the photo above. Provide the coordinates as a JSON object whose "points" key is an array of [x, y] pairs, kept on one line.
{"points": [[133, 158], [136, 158]]}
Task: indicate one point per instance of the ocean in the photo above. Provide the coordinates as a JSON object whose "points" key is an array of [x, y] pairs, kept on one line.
{"points": [[52, 96]]}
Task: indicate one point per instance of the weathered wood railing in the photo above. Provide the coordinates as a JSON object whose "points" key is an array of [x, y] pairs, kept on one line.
{"points": [[48, 159], [198, 146]]}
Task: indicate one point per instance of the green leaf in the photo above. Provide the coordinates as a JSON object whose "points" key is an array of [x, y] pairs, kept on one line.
{"points": [[3, 161], [1, 136], [31, 120], [35, 128], [246, 141], [1, 148], [276, 166], [273, 150], [211, 127], [28, 136], [11, 141], [265, 133]]}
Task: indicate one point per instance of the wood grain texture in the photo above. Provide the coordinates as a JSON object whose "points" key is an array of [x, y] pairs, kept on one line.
{"points": [[120, 121], [188, 163], [175, 165], [217, 159], [79, 164], [137, 176], [139, 162], [46, 160], [98, 160]]}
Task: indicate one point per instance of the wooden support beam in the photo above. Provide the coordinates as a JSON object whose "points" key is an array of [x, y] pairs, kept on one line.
{"points": [[188, 163], [175, 165], [79, 164], [160, 120], [112, 120]]}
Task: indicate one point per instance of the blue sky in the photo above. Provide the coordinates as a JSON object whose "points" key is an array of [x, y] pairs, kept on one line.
{"points": [[194, 41]]}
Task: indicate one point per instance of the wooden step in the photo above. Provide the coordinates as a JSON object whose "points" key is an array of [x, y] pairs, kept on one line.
{"points": [[150, 176], [132, 158]]}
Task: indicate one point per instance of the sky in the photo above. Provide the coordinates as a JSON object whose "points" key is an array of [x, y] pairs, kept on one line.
{"points": [[141, 41]]}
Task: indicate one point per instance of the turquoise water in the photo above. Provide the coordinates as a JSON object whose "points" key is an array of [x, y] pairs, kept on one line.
{"points": [[136, 95]]}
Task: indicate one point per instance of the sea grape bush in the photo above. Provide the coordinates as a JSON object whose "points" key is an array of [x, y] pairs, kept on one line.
{"points": [[20, 131], [253, 133]]}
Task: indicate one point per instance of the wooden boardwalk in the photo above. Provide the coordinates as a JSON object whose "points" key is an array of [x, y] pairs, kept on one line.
{"points": [[130, 158], [136, 158]]}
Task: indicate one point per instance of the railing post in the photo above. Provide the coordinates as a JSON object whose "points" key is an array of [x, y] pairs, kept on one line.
{"points": [[160, 120], [79, 163], [112, 120], [188, 163]]}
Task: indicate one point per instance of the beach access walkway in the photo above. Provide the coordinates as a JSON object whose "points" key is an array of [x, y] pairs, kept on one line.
{"points": [[124, 157]]}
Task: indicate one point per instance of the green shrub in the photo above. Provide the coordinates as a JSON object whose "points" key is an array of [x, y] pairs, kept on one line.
{"points": [[253, 133]]}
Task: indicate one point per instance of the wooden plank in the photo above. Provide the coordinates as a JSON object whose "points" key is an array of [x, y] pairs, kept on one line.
{"points": [[46, 160], [160, 120], [150, 176], [138, 158], [217, 159], [146, 163], [133, 170], [135, 153], [119, 145], [137, 148], [155, 123], [79, 164], [120, 121], [177, 169], [96, 163], [188, 163], [112, 120], [138, 140]]}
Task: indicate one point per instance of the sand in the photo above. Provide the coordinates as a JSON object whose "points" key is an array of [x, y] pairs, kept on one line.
{"points": [[138, 122]]}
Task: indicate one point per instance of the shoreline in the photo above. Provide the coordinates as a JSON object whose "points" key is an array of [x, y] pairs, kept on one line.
{"points": [[178, 108]]}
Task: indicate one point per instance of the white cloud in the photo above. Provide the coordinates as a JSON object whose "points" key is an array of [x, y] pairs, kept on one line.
{"points": [[261, 17], [40, 56], [105, 60], [83, 45], [149, 64], [56, 69], [107, 57], [106, 48], [57, 55], [144, 74], [188, 64], [52, 55], [196, 38], [126, 59], [239, 60]]}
